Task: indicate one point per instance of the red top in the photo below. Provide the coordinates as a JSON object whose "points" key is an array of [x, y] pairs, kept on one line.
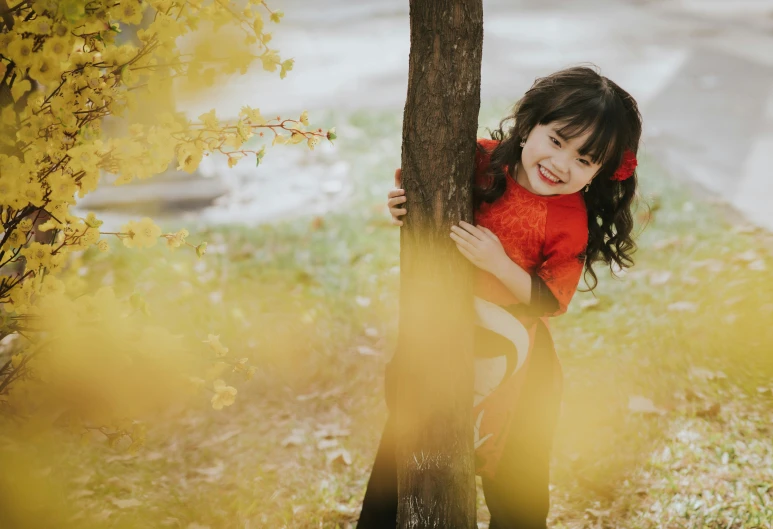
{"points": [[546, 235]]}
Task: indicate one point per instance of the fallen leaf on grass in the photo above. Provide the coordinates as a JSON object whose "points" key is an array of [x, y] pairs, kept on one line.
{"points": [[660, 278], [345, 509], [122, 457], [662, 244], [212, 473], [326, 444], [364, 350], [638, 404], [596, 513], [745, 228], [81, 494], [712, 265], [683, 306], [220, 438], [706, 374], [340, 456], [588, 304], [125, 504], [747, 256], [330, 432], [691, 396], [294, 439], [765, 391], [758, 265], [710, 412], [729, 319]]}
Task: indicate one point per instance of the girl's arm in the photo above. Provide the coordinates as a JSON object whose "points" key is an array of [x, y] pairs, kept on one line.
{"points": [[516, 279], [483, 249]]}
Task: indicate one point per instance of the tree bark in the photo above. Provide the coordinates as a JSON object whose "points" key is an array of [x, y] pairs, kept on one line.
{"points": [[436, 473]]}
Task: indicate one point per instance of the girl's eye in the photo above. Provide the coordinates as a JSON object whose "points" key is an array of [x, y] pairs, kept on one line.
{"points": [[585, 162], [558, 143]]}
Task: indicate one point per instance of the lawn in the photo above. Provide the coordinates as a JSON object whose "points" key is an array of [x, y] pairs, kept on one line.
{"points": [[667, 409]]}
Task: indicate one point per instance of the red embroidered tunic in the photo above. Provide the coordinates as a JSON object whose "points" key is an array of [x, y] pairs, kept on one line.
{"points": [[547, 237]]}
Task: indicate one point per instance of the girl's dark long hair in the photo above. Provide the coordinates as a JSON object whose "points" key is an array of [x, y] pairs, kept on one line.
{"points": [[579, 100]]}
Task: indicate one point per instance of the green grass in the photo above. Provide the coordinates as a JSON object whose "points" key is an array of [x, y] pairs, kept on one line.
{"points": [[290, 295]]}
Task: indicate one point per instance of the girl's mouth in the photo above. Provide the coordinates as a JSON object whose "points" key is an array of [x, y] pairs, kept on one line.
{"points": [[547, 176]]}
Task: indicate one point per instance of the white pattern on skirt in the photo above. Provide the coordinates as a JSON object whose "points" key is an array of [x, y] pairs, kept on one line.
{"points": [[489, 372]]}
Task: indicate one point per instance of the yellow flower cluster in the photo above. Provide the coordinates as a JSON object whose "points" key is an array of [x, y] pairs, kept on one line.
{"points": [[65, 73]]}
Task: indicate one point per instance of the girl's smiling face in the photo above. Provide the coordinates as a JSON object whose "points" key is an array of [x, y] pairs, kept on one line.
{"points": [[552, 164]]}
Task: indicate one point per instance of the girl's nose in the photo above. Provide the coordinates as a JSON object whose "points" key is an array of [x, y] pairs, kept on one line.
{"points": [[560, 165]]}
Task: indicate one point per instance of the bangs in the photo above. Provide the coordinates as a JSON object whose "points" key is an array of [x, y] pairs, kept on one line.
{"points": [[598, 116]]}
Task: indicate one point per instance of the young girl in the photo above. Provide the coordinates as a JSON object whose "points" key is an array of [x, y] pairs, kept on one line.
{"points": [[552, 195]]}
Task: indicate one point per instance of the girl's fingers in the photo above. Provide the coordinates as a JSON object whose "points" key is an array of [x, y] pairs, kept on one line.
{"points": [[396, 222], [398, 212], [461, 242], [465, 235], [392, 202], [489, 233], [475, 231], [398, 177], [467, 254], [395, 193]]}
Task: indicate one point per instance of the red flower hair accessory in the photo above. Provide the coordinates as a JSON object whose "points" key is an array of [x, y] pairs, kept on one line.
{"points": [[626, 168]]}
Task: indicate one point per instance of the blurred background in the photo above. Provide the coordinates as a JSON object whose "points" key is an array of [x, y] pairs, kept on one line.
{"points": [[668, 408], [701, 70]]}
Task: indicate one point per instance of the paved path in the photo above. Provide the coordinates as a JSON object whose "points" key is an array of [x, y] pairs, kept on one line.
{"points": [[702, 71]]}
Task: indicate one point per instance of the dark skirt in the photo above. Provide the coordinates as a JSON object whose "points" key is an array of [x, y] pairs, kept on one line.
{"points": [[524, 411]]}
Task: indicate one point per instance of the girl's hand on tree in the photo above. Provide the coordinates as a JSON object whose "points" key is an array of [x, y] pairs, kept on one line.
{"points": [[480, 246], [396, 197]]}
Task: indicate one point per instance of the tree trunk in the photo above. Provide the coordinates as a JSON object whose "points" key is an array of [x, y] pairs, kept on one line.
{"points": [[436, 474]]}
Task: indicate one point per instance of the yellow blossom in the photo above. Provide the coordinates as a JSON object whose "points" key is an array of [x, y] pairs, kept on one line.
{"points": [[128, 11], [224, 395], [214, 343], [20, 51], [252, 114], [15, 240], [209, 119], [51, 285], [188, 157], [56, 263], [103, 245], [270, 59], [63, 187], [58, 47], [241, 365], [92, 221], [257, 24], [16, 360], [44, 69], [25, 225], [88, 237], [234, 158], [286, 67], [37, 255], [244, 130], [305, 117], [142, 234], [20, 88], [178, 239]]}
